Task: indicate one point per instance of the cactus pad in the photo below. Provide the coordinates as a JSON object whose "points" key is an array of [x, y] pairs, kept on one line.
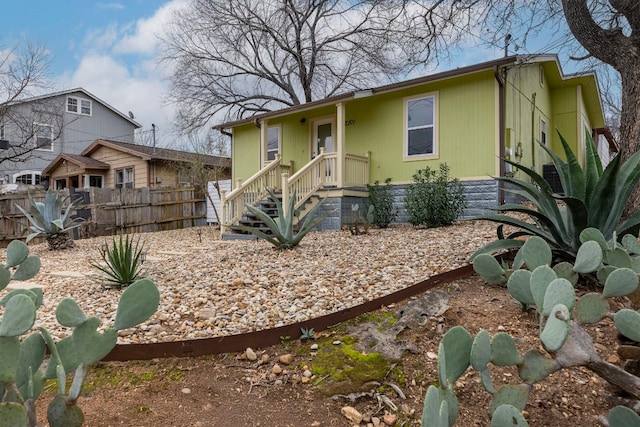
{"points": [[560, 291], [457, 345], [591, 308], [510, 394], [620, 282], [536, 252], [621, 416], [19, 315], [17, 252], [137, 303], [503, 350], [535, 367], [481, 351], [519, 286], [489, 269], [540, 279], [556, 329], [508, 416], [628, 323], [588, 258]]}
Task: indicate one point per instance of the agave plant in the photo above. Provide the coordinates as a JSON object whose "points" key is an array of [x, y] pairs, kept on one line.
{"points": [[122, 262], [50, 220], [592, 197], [284, 235]]}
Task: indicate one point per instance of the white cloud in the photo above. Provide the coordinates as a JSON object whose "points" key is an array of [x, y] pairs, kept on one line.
{"points": [[117, 64], [144, 38]]}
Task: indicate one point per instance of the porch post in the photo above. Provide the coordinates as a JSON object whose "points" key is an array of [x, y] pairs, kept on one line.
{"points": [[285, 192], [263, 143], [340, 144], [223, 215]]}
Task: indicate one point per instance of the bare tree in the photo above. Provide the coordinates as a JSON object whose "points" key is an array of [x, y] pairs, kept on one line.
{"points": [[244, 57], [202, 168], [26, 121]]}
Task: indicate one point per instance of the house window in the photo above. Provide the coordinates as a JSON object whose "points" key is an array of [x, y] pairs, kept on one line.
{"points": [[543, 132], [43, 135], [541, 75], [78, 106], [27, 177], [124, 178], [420, 119], [95, 181], [273, 142]]}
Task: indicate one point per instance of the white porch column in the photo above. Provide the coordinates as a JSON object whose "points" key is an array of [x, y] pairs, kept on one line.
{"points": [[85, 180], [340, 153], [263, 143]]}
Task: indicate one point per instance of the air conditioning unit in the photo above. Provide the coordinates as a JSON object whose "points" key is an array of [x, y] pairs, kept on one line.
{"points": [[550, 174]]}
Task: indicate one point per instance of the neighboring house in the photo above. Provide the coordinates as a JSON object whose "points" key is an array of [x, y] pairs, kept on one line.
{"points": [[34, 131], [469, 117], [115, 164]]}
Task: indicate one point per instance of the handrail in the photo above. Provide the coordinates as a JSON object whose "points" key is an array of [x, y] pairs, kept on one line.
{"points": [[251, 191], [318, 173]]}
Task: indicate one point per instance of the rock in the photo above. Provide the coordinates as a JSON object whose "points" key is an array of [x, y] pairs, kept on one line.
{"points": [[286, 358], [186, 390], [337, 342], [307, 373], [251, 355], [389, 419], [375, 421], [314, 347], [352, 414], [276, 369]]}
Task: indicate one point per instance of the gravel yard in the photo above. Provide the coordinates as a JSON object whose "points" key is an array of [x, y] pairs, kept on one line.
{"points": [[213, 288]]}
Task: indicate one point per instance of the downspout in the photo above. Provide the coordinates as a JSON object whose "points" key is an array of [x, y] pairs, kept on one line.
{"points": [[533, 131], [500, 76]]}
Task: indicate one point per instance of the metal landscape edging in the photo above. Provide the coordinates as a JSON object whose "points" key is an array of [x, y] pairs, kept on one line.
{"points": [[272, 336]]}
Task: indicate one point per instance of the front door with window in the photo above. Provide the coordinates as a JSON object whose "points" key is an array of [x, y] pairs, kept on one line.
{"points": [[323, 136]]}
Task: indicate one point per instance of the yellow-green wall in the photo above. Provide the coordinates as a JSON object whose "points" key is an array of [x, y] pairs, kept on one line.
{"points": [[467, 124]]}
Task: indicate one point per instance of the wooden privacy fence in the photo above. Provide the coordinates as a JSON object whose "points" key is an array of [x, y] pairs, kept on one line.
{"points": [[111, 211]]}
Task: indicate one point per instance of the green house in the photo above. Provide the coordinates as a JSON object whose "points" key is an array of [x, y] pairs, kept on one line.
{"points": [[469, 117]]}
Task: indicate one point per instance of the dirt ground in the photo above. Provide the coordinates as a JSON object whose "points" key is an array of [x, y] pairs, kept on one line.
{"points": [[230, 390]]}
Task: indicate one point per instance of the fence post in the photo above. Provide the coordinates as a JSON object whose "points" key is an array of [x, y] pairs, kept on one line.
{"points": [[285, 193]]}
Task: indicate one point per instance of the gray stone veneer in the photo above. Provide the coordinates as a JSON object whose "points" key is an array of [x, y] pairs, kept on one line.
{"points": [[481, 195]]}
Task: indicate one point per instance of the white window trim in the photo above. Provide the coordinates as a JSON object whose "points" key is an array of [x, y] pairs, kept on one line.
{"points": [[27, 172], [79, 104], [266, 144], [405, 128], [35, 137], [124, 183]]}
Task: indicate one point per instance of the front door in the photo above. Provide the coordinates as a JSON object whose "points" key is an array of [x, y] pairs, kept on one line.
{"points": [[323, 136]]}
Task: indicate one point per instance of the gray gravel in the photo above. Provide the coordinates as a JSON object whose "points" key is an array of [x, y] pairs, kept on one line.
{"points": [[213, 288]]}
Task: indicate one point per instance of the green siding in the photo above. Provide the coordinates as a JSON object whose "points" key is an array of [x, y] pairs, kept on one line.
{"points": [[467, 124]]}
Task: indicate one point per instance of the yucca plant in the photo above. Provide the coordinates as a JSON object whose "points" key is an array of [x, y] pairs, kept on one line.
{"points": [[50, 220], [592, 197], [122, 262], [284, 235]]}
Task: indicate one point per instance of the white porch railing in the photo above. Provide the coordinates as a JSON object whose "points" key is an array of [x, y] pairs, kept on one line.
{"points": [[318, 173], [251, 191], [356, 170]]}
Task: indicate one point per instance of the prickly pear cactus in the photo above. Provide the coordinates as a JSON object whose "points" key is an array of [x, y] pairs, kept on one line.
{"points": [[21, 376], [534, 282]]}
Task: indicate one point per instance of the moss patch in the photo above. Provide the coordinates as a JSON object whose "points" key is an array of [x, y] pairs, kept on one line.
{"points": [[343, 369]]}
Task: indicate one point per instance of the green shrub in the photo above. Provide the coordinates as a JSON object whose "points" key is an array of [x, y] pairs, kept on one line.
{"points": [[592, 198], [434, 199], [381, 198], [284, 235], [48, 219], [122, 262], [535, 282], [23, 370]]}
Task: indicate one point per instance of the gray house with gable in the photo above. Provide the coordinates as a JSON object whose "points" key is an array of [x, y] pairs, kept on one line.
{"points": [[34, 131]]}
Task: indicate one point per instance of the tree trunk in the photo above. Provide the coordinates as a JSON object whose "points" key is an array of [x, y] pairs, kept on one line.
{"points": [[622, 52]]}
